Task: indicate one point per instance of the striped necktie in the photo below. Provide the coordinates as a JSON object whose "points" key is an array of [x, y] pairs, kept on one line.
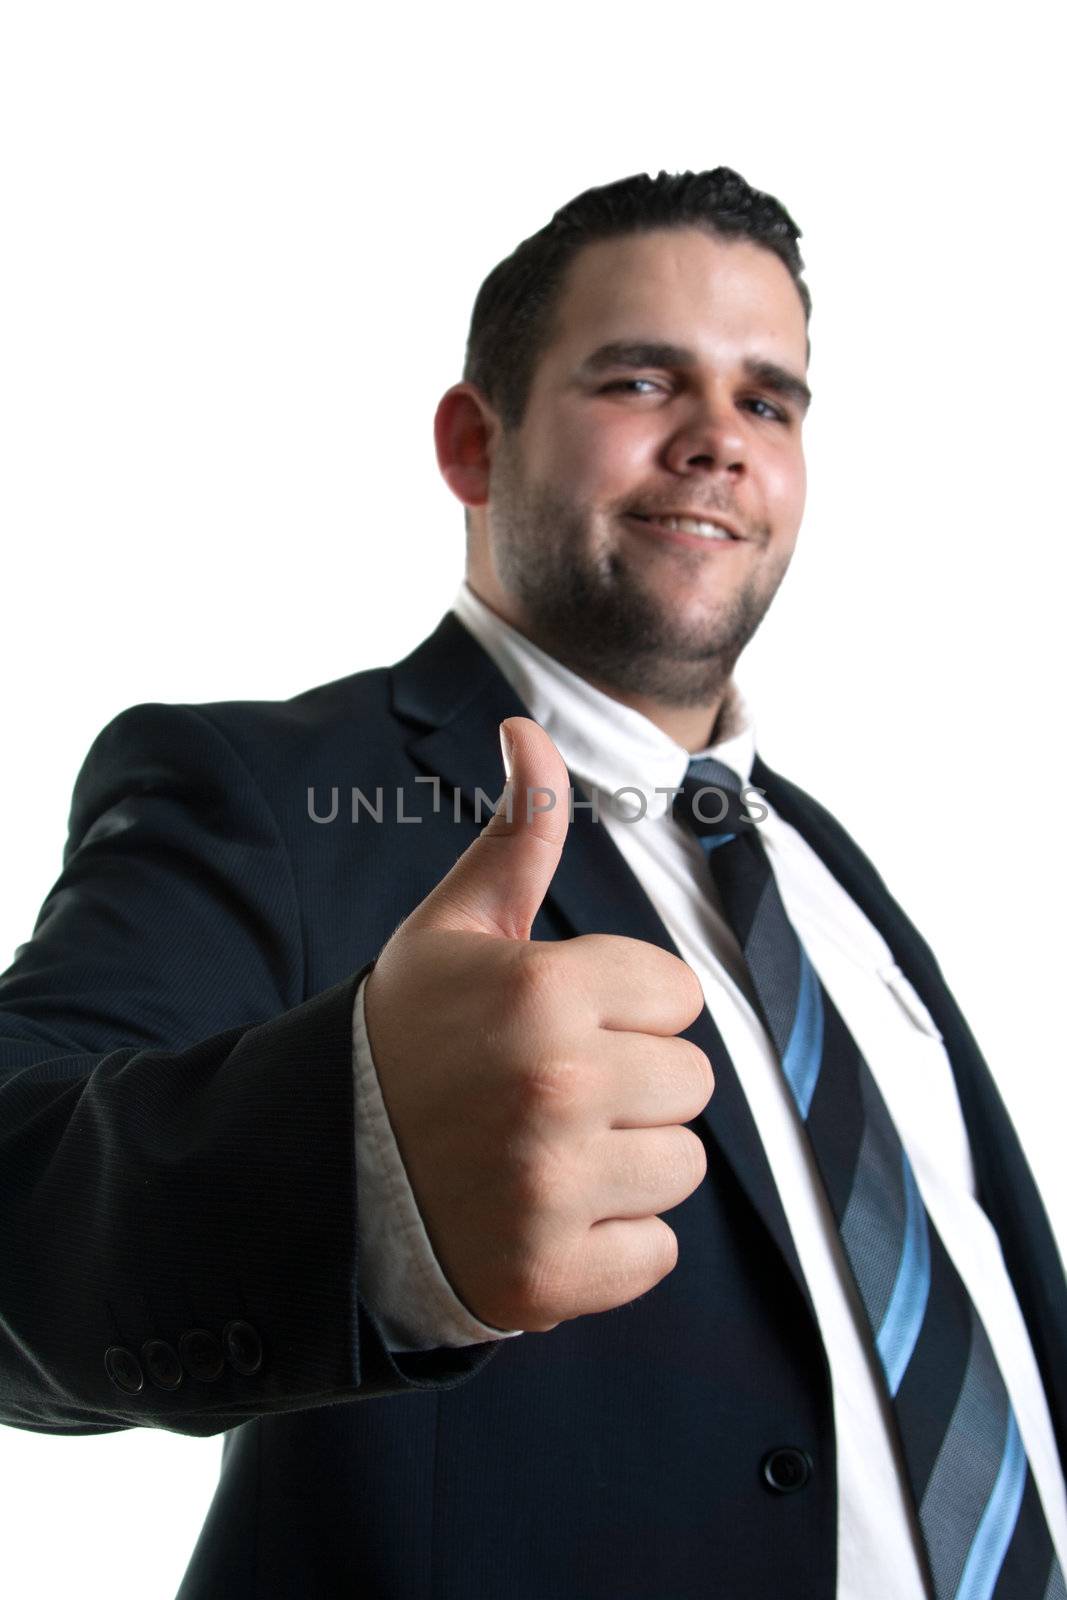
{"points": [[982, 1523]]}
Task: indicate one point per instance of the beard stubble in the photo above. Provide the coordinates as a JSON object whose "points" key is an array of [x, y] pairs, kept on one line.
{"points": [[590, 609]]}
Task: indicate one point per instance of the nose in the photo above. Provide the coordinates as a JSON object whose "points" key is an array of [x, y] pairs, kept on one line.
{"points": [[710, 438]]}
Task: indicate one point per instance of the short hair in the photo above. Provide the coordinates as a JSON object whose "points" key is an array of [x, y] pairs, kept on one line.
{"points": [[511, 323]]}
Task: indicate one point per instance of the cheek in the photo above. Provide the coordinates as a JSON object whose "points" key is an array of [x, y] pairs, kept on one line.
{"points": [[595, 464], [786, 482]]}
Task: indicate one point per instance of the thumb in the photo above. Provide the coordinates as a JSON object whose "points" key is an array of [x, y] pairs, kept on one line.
{"points": [[499, 882]]}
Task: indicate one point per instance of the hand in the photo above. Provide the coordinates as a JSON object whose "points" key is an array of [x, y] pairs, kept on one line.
{"points": [[536, 1088]]}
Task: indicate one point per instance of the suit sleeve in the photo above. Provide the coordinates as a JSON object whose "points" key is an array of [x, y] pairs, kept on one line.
{"points": [[177, 1146]]}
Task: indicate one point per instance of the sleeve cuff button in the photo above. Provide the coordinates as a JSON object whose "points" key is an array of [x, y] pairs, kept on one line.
{"points": [[244, 1350], [124, 1369]]}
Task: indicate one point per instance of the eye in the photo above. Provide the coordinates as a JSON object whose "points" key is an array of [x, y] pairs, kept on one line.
{"points": [[771, 412], [629, 385]]}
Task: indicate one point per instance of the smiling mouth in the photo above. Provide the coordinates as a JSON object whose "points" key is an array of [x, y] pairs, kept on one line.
{"points": [[698, 527]]}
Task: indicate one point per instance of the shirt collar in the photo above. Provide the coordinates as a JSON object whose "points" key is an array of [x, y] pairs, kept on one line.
{"points": [[608, 745]]}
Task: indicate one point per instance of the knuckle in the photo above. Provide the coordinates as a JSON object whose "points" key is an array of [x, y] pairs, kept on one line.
{"points": [[551, 1085], [667, 1258], [533, 983], [540, 1288], [537, 1179], [690, 992], [692, 1158], [702, 1069]]}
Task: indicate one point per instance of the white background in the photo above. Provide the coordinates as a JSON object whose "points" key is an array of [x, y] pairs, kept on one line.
{"points": [[240, 246]]}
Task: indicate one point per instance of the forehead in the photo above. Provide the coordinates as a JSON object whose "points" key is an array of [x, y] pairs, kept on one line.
{"points": [[722, 298]]}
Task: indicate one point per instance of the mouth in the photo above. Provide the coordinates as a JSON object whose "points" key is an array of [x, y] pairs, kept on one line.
{"points": [[688, 529]]}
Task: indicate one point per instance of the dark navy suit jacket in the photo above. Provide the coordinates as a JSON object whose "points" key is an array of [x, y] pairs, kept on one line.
{"points": [[178, 1195]]}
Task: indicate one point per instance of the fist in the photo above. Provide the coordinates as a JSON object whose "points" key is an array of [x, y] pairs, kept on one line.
{"points": [[538, 1090]]}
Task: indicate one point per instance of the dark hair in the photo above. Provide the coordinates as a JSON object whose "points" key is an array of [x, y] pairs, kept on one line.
{"points": [[511, 323]]}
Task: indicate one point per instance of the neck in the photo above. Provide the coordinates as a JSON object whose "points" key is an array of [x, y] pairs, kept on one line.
{"points": [[692, 727]]}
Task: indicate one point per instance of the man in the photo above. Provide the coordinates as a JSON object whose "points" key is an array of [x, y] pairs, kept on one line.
{"points": [[458, 1350]]}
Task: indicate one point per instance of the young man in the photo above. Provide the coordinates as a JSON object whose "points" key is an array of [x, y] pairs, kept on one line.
{"points": [[268, 1152]]}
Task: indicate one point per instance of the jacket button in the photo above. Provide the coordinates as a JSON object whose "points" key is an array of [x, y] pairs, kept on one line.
{"points": [[243, 1349], [124, 1369], [201, 1354], [162, 1364], [787, 1469]]}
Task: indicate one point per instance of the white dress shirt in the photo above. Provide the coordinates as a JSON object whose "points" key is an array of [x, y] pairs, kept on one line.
{"points": [[607, 747]]}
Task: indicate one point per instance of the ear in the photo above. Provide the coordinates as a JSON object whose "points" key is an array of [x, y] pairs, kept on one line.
{"points": [[465, 430]]}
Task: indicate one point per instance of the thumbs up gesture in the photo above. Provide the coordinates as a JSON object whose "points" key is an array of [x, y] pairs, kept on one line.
{"points": [[537, 1089]]}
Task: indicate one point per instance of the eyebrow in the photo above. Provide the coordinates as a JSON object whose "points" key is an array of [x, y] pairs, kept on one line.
{"points": [[649, 353]]}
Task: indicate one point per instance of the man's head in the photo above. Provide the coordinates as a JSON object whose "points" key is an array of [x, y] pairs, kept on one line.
{"points": [[641, 357]]}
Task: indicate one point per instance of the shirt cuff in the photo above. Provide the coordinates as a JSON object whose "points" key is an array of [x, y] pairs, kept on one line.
{"points": [[399, 1276]]}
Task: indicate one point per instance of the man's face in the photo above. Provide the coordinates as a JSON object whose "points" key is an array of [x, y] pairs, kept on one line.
{"points": [[672, 387]]}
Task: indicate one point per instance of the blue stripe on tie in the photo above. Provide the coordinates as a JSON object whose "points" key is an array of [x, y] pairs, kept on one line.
{"points": [[986, 1556], [711, 841], [802, 1059], [907, 1302]]}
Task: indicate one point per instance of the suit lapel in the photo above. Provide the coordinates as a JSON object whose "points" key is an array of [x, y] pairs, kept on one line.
{"points": [[452, 685]]}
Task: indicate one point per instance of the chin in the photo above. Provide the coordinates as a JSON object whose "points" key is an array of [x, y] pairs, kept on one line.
{"points": [[693, 618]]}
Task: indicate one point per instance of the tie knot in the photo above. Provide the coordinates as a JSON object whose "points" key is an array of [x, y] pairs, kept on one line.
{"points": [[710, 800]]}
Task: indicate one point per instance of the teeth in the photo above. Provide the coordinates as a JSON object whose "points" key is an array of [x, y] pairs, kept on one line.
{"points": [[707, 530]]}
